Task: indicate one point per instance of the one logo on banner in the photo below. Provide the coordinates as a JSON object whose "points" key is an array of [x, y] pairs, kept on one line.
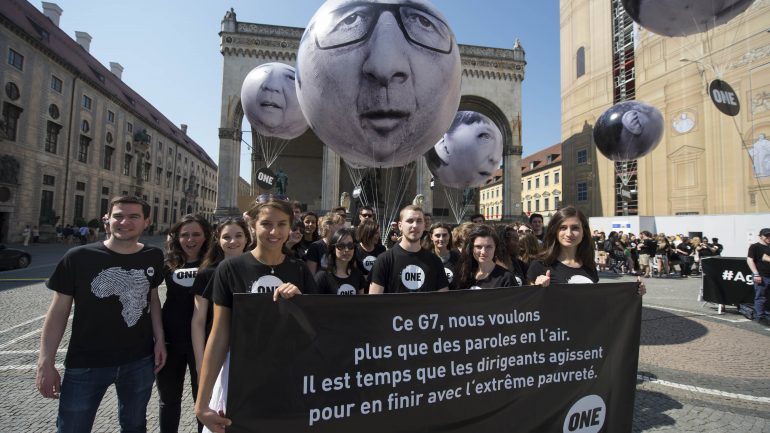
{"points": [[265, 178], [449, 275], [579, 279], [266, 284], [185, 277], [369, 263], [724, 97], [413, 277], [586, 415], [346, 289]]}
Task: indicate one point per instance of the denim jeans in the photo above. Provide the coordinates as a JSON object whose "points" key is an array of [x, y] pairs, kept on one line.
{"points": [[760, 299], [83, 388]]}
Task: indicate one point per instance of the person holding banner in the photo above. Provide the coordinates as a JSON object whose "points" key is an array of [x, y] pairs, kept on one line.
{"points": [[368, 247], [478, 269], [342, 276], [439, 241], [266, 269], [407, 267]]}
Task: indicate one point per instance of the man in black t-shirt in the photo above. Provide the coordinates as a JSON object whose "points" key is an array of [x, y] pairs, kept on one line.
{"points": [[536, 221], [117, 334], [761, 270], [407, 267]]}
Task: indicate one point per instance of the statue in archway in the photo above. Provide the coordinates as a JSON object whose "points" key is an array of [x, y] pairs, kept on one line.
{"points": [[281, 181]]}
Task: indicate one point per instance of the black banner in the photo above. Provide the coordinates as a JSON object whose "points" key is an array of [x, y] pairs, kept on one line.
{"points": [[727, 280], [527, 359]]}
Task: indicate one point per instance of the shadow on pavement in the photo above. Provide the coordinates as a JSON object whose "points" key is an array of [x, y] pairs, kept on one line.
{"points": [[11, 283], [650, 408], [661, 328]]}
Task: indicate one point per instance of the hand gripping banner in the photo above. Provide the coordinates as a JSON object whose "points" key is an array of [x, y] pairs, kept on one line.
{"points": [[525, 359]]}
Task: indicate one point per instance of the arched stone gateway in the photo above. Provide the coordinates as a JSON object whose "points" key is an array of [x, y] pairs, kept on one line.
{"points": [[491, 85]]}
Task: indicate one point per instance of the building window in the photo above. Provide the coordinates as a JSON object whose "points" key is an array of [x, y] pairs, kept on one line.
{"points": [[529, 205], [146, 172], [49, 180], [11, 114], [12, 91], [556, 178], [582, 191], [580, 62], [52, 137], [556, 203], [79, 201], [129, 127], [160, 146], [56, 83], [15, 59], [537, 182], [85, 126], [537, 205], [545, 180], [46, 203], [168, 180], [103, 209], [529, 184], [53, 111], [105, 190], [83, 148], [158, 175], [165, 214], [110, 116], [80, 186], [127, 165], [546, 203], [582, 156], [87, 102], [108, 152], [108, 137]]}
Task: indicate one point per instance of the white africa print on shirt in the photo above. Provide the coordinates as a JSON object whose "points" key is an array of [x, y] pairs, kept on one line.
{"points": [[266, 284], [129, 285], [412, 277], [185, 277]]}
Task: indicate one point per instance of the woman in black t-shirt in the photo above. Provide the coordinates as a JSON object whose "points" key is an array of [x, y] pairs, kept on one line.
{"points": [[310, 234], [187, 240], [368, 247], [316, 258], [478, 269], [266, 269], [342, 276], [439, 242], [507, 252], [231, 238]]}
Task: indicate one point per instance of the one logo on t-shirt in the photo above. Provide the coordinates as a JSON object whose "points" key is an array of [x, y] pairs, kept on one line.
{"points": [[449, 275], [369, 262], [412, 277], [266, 284], [129, 285], [346, 289], [579, 279], [185, 277], [150, 271]]}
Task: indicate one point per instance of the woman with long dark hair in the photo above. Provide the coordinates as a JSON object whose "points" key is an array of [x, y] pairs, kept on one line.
{"points": [[439, 242], [187, 241], [508, 252], [310, 234], [478, 269], [341, 276], [368, 247]]}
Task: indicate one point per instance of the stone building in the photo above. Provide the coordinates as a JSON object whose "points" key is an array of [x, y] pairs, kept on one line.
{"points": [[491, 85], [491, 197], [73, 135], [707, 162], [541, 181]]}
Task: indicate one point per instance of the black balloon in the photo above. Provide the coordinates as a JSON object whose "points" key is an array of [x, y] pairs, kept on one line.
{"points": [[683, 17], [628, 130]]}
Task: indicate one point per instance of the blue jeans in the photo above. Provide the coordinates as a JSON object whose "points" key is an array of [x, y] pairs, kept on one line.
{"points": [[83, 388], [760, 299]]}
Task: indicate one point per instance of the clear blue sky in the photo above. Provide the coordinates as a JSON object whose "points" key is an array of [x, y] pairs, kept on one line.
{"points": [[170, 52]]}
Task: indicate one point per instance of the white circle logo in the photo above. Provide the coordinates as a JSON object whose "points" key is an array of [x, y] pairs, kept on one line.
{"points": [[579, 279], [586, 415], [412, 277], [369, 262], [449, 275], [266, 284], [150, 271], [346, 289], [185, 277], [518, 281]]}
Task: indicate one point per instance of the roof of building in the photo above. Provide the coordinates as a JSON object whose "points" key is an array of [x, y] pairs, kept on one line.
{"points": [[538, 161], [47, 36]]}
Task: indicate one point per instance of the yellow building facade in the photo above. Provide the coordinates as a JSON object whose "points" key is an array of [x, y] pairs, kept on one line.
{"points": [[541, 181], [707, 162], [491, 197]]}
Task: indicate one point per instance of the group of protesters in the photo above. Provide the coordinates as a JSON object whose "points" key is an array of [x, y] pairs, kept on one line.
{"points": [[123, 335]]}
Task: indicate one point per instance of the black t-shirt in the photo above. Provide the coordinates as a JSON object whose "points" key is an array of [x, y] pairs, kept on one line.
{"points": [[686, 247], [303, 246], [451, 268], [317, 253], [649, 246], [563, 274], [365, 259], [111, 324], [717, 248], [499, 277], [245, 274], [519, 271], [401, 271], [179, 305], [755, 252], [202, 288], [329, 284]]}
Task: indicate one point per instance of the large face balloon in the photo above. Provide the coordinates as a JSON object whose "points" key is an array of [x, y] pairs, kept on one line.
{"points": [[469, 153], [378, 82], [683, 17], [269, 101], [628, 130]]}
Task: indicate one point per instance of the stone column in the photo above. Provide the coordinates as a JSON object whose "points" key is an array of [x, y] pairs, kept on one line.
{"points": [[228, 172], [512, 171], [422, 180], [330, 180]]}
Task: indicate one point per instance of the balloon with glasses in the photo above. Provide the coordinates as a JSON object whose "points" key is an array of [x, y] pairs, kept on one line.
{"points": [[379, 83]]}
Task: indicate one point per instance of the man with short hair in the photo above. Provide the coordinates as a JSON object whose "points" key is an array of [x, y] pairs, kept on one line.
{"points": [[366, 213], [536, 221], [296, 209], [407, 267], [341, 211], [428, 223], [761, 271], [477, 218], [117, 332]]}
